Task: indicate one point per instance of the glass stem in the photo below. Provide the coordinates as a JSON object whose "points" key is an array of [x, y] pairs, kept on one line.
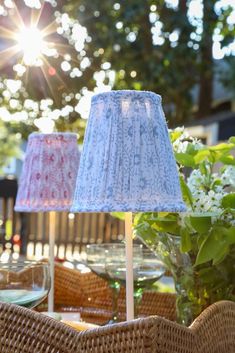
{"points": [[115, 287], [138, 293]]}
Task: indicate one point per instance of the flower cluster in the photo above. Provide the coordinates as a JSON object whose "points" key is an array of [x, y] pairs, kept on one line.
{"points": [[208, 198], [181, 140], [228, 176], [205, 198], [208, 181]]}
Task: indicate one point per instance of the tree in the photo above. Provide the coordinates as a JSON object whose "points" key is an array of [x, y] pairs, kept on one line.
{"points": [[153, 45], [215, 21], [125, 35], [162, 46], [9, 146], [228, 75], [40, 65]]}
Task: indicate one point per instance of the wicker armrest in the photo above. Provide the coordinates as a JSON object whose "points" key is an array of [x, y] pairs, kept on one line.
{"points": [[215, 328], [25, 331]]}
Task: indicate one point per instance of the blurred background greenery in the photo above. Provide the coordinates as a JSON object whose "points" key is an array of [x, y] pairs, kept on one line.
{"points": [[54, 55]]}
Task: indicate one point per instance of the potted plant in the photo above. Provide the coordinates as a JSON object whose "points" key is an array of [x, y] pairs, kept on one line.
{"points": [[198, 246]]}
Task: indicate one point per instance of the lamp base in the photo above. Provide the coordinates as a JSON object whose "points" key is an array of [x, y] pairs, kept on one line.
{"points": [[129, 267], [52, 230]]}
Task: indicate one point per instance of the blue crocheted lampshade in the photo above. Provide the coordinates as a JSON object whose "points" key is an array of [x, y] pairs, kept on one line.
{"points": [[127, 162]]}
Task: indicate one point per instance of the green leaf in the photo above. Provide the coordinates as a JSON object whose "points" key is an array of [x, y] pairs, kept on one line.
{"points": [[137, 86], [231, 235], [187, 196], [119, 215], [200, 239], [191, 150], [186, 243], [232, 140], [212, 245], [222, 253], [187, 223], [168, 226], [215, 183], [222, 147], [137, 218], [228, 201], [201, 156], [201, 223], [202, 168], [166, 216], [207, 251], [185, 160], [208, 275], [229, 159], [147, 234]]}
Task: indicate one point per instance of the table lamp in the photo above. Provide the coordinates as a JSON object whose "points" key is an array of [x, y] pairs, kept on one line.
{"points": [[127, 164], [47, 182]]}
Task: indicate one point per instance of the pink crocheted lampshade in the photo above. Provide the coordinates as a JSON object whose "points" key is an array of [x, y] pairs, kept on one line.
{"points": [[49, 173]]}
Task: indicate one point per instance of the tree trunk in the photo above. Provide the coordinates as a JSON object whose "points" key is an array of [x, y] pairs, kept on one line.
{"points": [[145, 37], [206, 60]]}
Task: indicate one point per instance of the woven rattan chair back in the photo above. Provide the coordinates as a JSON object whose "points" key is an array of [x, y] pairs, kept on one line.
{"points": [[25, 331], [214, 328], [91, 296]]}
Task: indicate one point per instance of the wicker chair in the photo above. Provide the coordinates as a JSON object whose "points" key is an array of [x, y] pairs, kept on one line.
{"points": [[25, 331], [91, 295]]}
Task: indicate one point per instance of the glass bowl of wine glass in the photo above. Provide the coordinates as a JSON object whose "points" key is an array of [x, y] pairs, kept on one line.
{"points": [[25, 283], [100, 257], [147, 269]]}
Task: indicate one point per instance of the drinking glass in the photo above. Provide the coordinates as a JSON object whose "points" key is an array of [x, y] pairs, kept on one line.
{"points": [[100, 256], [25, 283], [147, 269]]}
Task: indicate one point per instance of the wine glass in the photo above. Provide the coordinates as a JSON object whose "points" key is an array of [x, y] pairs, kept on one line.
{"points": [[25, 283], [150, 270], [98, 259], [147, 269]]}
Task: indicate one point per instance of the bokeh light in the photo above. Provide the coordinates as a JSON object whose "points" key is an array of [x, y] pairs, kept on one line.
{"points": [[31, 43]]}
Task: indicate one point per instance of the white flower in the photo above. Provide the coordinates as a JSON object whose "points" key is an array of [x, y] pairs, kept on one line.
{"points": [[228, 176], [228, 218], [195, 180], [180, 145], [204, 200], [215, 197]]}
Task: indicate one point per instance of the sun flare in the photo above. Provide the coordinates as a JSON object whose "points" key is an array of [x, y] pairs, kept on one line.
{"points": [[35, 38], [31, 43]]}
